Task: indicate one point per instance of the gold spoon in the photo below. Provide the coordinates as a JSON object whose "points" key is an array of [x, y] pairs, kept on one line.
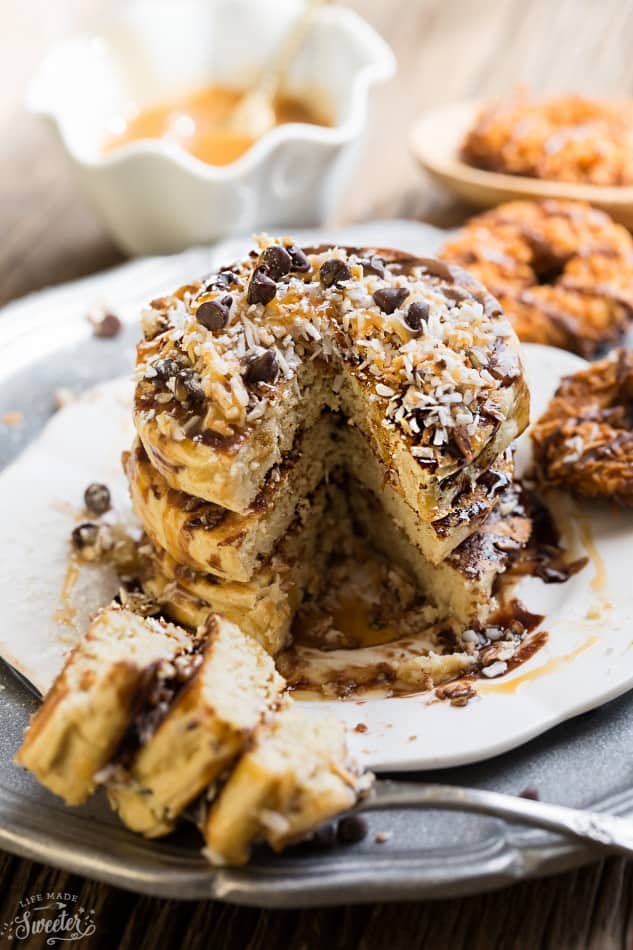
{"points": [[255, 113]]}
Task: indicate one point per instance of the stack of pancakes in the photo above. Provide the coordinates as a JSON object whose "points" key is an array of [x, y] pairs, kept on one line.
{"points": [[303, 395]]}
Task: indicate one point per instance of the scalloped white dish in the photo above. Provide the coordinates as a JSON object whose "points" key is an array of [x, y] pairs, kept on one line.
{"points": [[587, 660], [155, 197]]}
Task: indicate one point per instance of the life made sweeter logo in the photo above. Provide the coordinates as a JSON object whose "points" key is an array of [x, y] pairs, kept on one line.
{"points": [[58, 916]]}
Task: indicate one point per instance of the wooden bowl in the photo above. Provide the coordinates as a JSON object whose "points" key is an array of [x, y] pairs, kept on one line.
{"points": [[436, 138]]}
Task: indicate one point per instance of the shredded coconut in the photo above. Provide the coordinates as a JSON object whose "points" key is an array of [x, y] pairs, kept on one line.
{"points": [[428, 382]]}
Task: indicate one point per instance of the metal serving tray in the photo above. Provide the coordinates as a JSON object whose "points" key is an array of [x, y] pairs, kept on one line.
{"points": [[583, 762]]}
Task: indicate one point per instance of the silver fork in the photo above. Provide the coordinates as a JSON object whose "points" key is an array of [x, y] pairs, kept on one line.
{"points": [[606, 831]]}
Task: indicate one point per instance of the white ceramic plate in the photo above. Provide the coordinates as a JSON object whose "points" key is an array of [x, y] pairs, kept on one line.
{"points": [[436, 137], [588, 658]]}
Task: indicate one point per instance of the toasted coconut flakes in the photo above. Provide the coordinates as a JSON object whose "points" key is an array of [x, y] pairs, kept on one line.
{"points": [[441, 372], [383, 836], [498, 668], [274, 821]]}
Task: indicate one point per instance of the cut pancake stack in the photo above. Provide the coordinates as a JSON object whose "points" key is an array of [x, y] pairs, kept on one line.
{"points": [[303, 394], [288, 409]]}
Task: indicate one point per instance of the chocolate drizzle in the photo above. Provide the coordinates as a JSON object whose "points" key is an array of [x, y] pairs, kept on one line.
{"points": [[160, 686], [543, 556]]}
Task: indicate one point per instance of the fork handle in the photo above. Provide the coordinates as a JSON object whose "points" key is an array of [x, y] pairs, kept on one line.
{"points": [[606, 831]]}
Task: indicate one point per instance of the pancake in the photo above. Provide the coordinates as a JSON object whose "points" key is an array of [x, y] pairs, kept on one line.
{"points": [[232, 689], [472, 502], [215, 540], [210, 539], [88, 708], [414, 353], [297, 775], [462, 586], [264, 606]]}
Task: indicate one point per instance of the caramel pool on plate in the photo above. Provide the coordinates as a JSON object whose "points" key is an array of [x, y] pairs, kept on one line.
{"points": [[197, 122]]}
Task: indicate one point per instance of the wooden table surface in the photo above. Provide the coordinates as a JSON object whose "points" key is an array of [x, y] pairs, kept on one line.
{"points": [[447, 49]]}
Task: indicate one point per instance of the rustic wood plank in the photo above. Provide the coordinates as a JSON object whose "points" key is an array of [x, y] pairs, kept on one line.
{"points": [[588, 909], [446, 50]]}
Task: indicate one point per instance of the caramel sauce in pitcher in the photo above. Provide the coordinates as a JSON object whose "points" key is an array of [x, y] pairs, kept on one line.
{"points": [[198, 123]]}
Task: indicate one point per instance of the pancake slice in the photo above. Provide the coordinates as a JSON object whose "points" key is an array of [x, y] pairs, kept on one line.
{"points": [[296, 776], [161, 719], [472, 502], [88, 709], [232, 689]]}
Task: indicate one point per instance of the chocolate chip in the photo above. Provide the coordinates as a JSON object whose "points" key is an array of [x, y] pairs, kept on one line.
{"points": [[390, 298], [324, 837], [417, 315], [334, 272], [221, 281], [214, 314], [530, 793], [373, 265], [166, 368], [351, 829], [85, 535], [276, 261], [261, 288], [188, 387], [262, 369], [97, 498], [107, 328], [209, 518], [300, 262]]}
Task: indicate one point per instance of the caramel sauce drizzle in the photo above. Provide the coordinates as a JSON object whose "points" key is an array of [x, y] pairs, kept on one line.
{"points": [[512, 685], [352, 616], [66, 613], [598, 582]]}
